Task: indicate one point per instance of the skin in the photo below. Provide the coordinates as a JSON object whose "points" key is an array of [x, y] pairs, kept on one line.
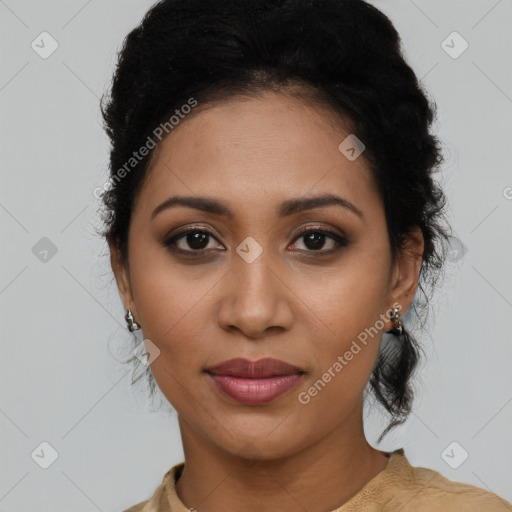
{"points": [[291, 303]]}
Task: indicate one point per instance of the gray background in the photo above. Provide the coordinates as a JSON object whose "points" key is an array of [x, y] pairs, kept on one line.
{"points": [[61, 316]]}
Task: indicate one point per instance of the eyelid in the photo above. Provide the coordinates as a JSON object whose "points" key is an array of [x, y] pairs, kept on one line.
{"points": [[340, 239], [169, 240], [319, 229]]}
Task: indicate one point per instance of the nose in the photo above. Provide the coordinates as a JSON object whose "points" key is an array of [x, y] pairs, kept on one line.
{"points": [[256, 299]]}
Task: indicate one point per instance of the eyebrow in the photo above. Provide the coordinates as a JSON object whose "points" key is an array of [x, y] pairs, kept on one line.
{"points": [[288, 207]]}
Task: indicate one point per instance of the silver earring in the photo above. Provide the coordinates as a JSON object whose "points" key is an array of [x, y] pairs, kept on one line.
{"points": [[398, 326], [132, 324]]}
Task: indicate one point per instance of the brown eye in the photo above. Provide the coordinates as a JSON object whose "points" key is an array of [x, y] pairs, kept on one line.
{"points": [[315, 240], [193, 240]]}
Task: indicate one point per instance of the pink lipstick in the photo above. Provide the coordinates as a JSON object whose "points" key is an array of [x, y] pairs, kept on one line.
{"points": [[255, 382]]}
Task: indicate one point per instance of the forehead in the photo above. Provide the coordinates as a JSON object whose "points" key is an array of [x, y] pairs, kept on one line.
{"points": [[257, 149]]}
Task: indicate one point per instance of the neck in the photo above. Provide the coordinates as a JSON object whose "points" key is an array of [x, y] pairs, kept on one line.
{"points": [[323, 476]]}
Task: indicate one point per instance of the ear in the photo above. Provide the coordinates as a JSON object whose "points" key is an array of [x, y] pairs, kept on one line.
{"points": [[406, 270], [121, 273]]}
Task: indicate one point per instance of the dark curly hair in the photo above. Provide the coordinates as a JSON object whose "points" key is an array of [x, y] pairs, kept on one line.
{"points": [[343, 54]]}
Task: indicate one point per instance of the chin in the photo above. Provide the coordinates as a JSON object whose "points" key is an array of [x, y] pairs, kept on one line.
{"points": [[254, 448]]}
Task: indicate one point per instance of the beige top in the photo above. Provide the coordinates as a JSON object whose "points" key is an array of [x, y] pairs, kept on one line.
{"points": [[398, 487]]}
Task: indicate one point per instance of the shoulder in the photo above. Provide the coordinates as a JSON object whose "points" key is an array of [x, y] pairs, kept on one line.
{"points": [[406, 488], [434, 492], [164, 492], [137, 508]]}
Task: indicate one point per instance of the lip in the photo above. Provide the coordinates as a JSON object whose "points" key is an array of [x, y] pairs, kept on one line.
{"points": [[255, 382], [266, 367]]}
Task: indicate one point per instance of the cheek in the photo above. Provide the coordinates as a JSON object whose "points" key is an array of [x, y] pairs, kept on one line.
{"points": [[351, 307], [344, 365], [175, 311], [176, 328], [166, 292], [351, 297], [171, 311], [341, 372]]}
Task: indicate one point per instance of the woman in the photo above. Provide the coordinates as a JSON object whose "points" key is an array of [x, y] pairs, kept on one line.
{"points": [[271, 215]]}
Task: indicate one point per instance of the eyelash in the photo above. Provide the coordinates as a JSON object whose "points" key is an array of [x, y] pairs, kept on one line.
{"points": [[341, 241]]}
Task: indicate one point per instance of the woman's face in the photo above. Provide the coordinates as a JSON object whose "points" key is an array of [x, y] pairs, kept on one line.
{"points": [[255, 287]]}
